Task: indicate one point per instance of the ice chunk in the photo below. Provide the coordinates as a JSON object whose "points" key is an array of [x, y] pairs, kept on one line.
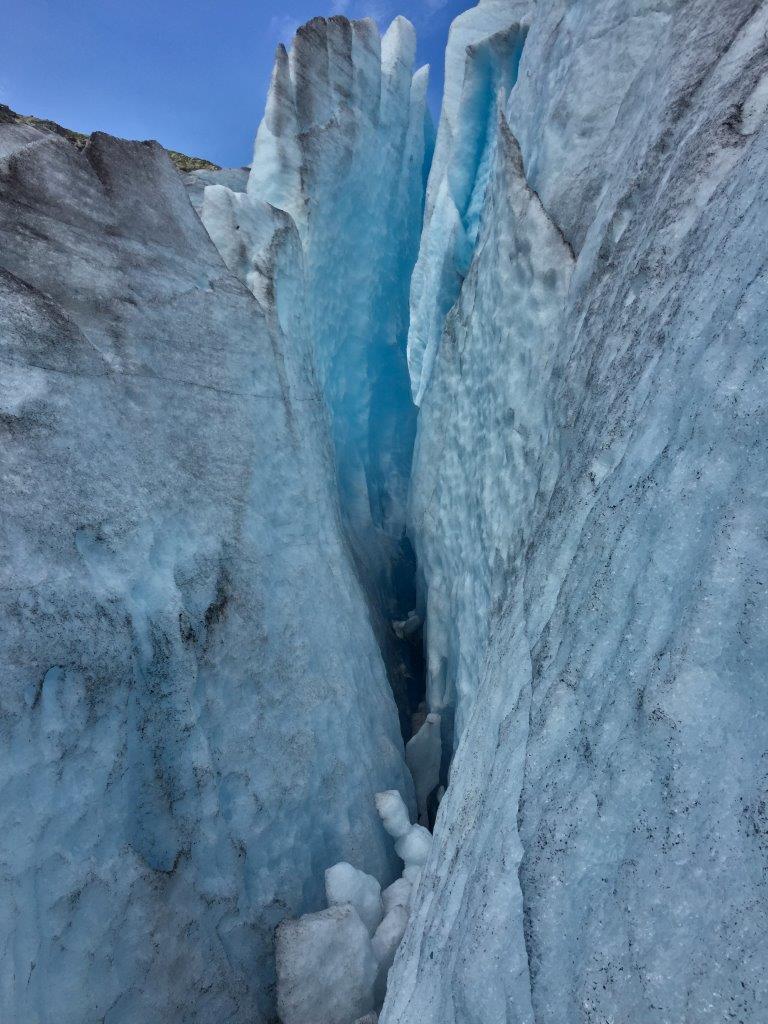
{"points": [[407, 627], [345, 884], [414, 846], [326, 968], [396, 895], [423, 754], [385, 942], [393, 813]]}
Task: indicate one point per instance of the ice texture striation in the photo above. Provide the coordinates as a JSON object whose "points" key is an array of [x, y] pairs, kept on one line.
{"points": [[588, 505], [195, 713]]}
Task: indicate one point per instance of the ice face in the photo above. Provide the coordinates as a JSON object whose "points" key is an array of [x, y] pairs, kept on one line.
{"points": [[343, 149], [589, 515], [195, 714], [481, 66], [423, 755], [341, 156]]}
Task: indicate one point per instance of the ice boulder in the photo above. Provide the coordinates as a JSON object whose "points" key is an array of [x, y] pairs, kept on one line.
{"points": [[414, 846], [345, 884], [326, 969], [423, 754], [396, 895], [388, 936], [393, 813]]}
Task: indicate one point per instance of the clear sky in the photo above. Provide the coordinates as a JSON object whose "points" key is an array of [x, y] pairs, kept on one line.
{"points": [[191, 73]]}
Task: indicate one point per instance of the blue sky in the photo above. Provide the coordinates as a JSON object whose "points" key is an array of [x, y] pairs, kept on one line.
{"points": [[191, 73]]}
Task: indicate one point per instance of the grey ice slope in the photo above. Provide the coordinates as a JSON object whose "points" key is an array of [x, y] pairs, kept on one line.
{"points": [[589, 506], [194, 713]]}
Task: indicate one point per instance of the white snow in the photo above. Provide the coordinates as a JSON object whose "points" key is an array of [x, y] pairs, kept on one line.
{"points": [[393, 813], [396, 895]]}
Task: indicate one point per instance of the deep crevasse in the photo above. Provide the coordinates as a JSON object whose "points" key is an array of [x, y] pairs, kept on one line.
{"points": [[195, 703]]}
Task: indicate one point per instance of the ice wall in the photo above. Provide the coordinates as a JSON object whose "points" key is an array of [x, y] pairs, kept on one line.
{"points": [[194, 715], [588, 504], [481, 65], [343, 148]]}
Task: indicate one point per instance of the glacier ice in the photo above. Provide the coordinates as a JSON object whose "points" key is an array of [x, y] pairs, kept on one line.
{"points": [[588, 511], [345, 884], [343, 149], [481, 65], [423, 755], [332, 966], [326, 968], [341, 155], [206, 455], [195, 713]]}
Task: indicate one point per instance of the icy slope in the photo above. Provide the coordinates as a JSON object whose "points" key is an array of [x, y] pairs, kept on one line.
{"points": [[589, 509], [343, 149], [195, 714]]}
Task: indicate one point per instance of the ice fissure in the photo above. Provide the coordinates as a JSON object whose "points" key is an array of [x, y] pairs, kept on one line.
{"points": [[384, 555]]}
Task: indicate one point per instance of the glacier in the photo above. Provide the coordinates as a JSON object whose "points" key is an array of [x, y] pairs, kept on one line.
{"points": [[397, 482]]}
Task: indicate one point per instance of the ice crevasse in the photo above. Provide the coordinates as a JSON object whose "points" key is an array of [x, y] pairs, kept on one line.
{"points": [[507, 384]]}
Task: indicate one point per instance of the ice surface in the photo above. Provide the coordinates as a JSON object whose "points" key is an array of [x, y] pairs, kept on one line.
{"points": [[196, 182], [325, 967], [345, 884], [388, 936], [195, 714], [589, 506], [413, 847]]}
